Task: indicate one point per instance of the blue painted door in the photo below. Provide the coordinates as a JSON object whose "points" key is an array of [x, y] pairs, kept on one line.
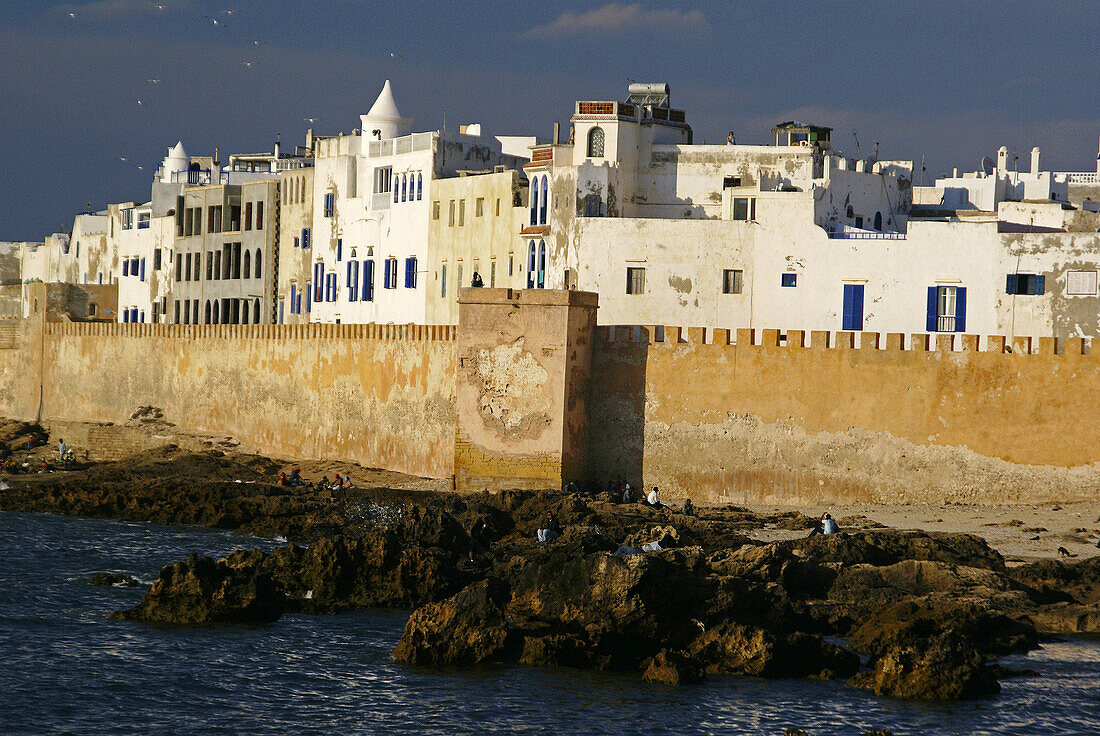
{"points": [[853, 308]]}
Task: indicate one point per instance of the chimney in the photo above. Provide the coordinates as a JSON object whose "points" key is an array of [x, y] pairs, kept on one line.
{"points": [[217, 155], [1002, 159], [1035, 160], [557, 132]]}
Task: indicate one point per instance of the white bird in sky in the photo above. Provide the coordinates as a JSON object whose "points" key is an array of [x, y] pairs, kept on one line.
{"points": [[215, 21], [140, 102], [248, 63], [153, 81], [394, 55], [72, 15]]}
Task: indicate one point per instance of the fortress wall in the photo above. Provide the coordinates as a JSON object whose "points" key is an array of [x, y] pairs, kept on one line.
{"points": [[845, 417], [20, 361], [381, 395]]}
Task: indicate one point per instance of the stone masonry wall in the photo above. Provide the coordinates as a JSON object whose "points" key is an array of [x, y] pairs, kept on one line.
{"points": [[898, 419], [379, 395]]}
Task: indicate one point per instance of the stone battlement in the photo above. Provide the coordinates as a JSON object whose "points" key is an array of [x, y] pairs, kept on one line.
{"points": [[668, 336], [444, 333]]}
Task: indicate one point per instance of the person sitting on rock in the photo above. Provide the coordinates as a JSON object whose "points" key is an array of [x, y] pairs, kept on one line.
{"points": [[628, 494], [550, 529], [689, 508], [282, 479], [652, 500], [347, 482], [825, 526], [667, 541], [295, 478]]}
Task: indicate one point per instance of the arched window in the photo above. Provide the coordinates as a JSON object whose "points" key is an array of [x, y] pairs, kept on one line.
{"points": [[419, 186], [259, 260], [247, 264], [216, 320], [396, 190], [256, 312], [531, 265], [878, 221], [404, 184], [545, 199], [535, 201], [542, 265], [244, 313], [595, 142], [851, 212], [207, 320]]}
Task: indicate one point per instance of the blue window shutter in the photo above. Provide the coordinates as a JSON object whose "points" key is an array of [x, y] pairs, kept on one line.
{"points": [[348, 279], [846, 317], [126, 267], [960, 309], [305, 237], [1010, 284], [386, 279], [339, 249], [368, 281], [930, 323], [309, 299], [143, 269], [1039, 284], [281, 306]]}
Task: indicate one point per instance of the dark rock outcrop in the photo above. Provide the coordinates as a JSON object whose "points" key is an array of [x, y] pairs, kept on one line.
{"points": [[202, 591], [116, 579]]}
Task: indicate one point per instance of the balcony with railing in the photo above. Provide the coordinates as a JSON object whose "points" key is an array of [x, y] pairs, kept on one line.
{"points": [[847, 232], [404, 144], [194, 177]]}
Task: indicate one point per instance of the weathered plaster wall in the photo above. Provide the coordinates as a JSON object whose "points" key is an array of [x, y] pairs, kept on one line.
{"points": [[20, 365], [781, 424], [521, 386], [379, 395]]}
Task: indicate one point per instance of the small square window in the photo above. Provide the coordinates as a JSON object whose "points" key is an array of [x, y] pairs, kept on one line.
{"points": [[731, 281], [1081, 283], [789, 279], [635, 281], [1024, 283], [744, 208]]}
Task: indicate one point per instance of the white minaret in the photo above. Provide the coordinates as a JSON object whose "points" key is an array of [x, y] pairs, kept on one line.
{"points": [[1035, 160], [176, 160], [384, 121], [1002, 159]]}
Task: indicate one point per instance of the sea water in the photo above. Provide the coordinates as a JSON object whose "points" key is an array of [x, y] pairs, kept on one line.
{"points": [[66, 669]]}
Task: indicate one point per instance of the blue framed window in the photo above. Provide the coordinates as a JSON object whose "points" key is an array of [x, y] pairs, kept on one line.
{"points": [[1025, 283], [309, 298], [531, 265], [330, 287], [419, 187], [789, 280], [368, 281], [293, 301], [142, 269], [330, 204], [946, 309], [543, 200], [297, 242], [542, 265], [443, 283], [410, 272], [305, 237], [352, 281], [404, 186], [126, 267], [852, 318], [339, 249], [535, 202], [282, 306], [390, 279], [318, 282]]}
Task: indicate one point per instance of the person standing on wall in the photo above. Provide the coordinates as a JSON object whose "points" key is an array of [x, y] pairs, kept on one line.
{"points": [[61, 450]]}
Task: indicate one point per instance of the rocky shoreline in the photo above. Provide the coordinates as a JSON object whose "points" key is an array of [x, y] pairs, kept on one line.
{"points": [[900, 613]]}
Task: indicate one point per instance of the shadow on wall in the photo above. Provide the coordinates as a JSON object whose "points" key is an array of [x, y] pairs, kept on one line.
{"points": [[616, 405]]}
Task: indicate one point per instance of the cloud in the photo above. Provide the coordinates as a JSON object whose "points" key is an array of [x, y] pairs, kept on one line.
{"points": [[115, 8], [616, 17]]}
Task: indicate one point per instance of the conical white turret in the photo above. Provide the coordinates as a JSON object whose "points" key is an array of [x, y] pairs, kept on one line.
{"points": [[176, 160], [384, 121]]}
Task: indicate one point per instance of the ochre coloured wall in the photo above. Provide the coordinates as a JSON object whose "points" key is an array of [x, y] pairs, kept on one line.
{"points": [[784, 423], [382, 395]]}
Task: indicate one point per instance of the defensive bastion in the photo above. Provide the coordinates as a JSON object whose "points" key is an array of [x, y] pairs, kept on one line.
{"points": [[526, 392]]}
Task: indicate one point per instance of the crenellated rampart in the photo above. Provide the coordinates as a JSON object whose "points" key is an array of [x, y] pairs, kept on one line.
{"points": [[792, 416]]}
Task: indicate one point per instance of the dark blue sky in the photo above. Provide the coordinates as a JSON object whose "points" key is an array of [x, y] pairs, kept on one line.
{"points": [[949, 81]]}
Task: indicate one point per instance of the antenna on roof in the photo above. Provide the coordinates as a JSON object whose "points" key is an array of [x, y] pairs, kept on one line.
{"points": [[856, 137]]}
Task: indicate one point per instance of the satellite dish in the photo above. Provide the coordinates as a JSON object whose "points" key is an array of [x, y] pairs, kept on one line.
{"points": [[987, 165]]}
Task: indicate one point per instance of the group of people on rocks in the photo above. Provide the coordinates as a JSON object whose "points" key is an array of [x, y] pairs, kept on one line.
{"points": [[295, 480]]}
